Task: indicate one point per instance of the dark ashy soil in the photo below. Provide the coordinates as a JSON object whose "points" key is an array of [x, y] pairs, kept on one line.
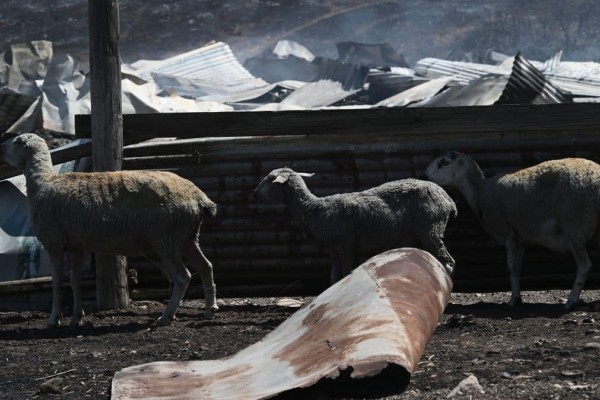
{"points": [[533, 352]]}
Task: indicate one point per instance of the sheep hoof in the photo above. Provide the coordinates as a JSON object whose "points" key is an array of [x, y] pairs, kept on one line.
{"points": [[515, 302], [76, 320], [209, 313], [572, 305], [75, 323], [164, 320], [53, 322]]}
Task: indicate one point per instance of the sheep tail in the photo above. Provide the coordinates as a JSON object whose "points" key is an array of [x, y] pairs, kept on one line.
{"points": [[210, 208], [454, 209], [452, 204], [207, 206]]}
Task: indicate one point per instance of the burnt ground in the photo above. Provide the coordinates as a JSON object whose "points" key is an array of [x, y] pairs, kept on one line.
{"points": [[534, 352]]}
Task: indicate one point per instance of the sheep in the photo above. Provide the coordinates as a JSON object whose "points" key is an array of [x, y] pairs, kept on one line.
{"points": [[114, 213], [401, 213], [555, 204]]}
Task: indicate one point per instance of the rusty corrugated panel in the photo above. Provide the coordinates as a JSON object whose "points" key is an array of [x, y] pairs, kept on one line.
{"points": [[527, 85], [378, 319]]}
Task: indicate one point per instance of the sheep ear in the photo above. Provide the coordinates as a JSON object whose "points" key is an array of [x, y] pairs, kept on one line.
{"points": [[281, 179], [305, 174]]}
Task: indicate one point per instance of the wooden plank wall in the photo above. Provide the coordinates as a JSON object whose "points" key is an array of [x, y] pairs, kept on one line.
{"points": [[255, 249]]}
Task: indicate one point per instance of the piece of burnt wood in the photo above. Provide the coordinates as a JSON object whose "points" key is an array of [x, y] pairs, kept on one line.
{"points": [[403, 121], [106, 128]]}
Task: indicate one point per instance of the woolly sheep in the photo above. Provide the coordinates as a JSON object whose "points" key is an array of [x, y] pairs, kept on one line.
{"points": [[555, 204], [402, 213], [116, 213]]}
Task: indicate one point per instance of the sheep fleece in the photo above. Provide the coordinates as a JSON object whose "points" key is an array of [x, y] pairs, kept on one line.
{"points": [[96, 211], [391, 214]]}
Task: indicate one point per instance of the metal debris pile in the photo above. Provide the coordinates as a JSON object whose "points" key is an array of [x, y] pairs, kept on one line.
{"points": [[43, 91]]}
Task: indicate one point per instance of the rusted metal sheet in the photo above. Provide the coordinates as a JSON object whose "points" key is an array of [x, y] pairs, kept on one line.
{"points": [[376, 321]]}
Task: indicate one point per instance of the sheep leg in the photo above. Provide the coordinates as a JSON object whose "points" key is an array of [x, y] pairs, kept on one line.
{"points": [[336, 266], [76, 266], [57, 268], [180, 276], [583, 262], [203, 265], [346, 257], [435, 245], [514, 258]]}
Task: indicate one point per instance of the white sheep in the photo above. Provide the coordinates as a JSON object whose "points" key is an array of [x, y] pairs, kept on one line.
{"points": [[404, 213], [555, 204], [116, 213]]}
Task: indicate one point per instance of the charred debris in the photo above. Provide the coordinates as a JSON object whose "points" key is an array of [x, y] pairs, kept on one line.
{"points": [[41, 91]]}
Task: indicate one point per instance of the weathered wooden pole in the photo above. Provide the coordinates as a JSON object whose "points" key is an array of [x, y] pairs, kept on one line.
{"points": [[107, 133]]}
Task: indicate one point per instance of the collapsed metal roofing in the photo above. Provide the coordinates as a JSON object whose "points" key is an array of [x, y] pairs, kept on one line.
{"points": [[214, 63], [363, 335], [212, 79], [527, 85]]}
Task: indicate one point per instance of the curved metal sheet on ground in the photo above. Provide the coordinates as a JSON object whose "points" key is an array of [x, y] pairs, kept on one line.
{"points": [[372, 326]]}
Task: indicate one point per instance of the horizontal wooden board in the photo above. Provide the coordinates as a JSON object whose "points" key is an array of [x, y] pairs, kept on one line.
{"points": [[403, 121]]}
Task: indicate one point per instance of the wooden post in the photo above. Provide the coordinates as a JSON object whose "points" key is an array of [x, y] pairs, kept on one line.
{"points": [[107, 133]]}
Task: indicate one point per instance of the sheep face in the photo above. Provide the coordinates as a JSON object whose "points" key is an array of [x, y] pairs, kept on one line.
{"points": [[18, 150], [271, 190], [448, 169]]}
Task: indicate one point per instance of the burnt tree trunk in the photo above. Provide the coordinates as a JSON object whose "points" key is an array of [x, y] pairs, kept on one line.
{"points": [[107, 133]]}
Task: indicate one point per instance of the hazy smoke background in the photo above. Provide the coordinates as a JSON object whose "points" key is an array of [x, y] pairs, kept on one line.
{"points": [[454, 30]]}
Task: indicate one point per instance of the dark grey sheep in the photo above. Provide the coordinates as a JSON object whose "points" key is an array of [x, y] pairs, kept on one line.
{"points": [[555, 204], [404, 213], [122, 213]]}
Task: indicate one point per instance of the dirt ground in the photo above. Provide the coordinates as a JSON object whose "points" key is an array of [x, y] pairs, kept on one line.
{"points": [[534, 352]]}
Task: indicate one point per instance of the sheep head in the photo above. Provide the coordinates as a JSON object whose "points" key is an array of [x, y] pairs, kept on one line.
{"points": [[18, 150], [449, 169], [272, 189]]}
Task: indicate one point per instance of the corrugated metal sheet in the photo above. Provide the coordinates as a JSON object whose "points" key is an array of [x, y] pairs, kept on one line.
{"points": [[376, 321], [420, 93], [480, 92], [214, 63], [317, 94], [527, 85], [251, 244], [462, 72], [351, 76], [580, 79]]}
